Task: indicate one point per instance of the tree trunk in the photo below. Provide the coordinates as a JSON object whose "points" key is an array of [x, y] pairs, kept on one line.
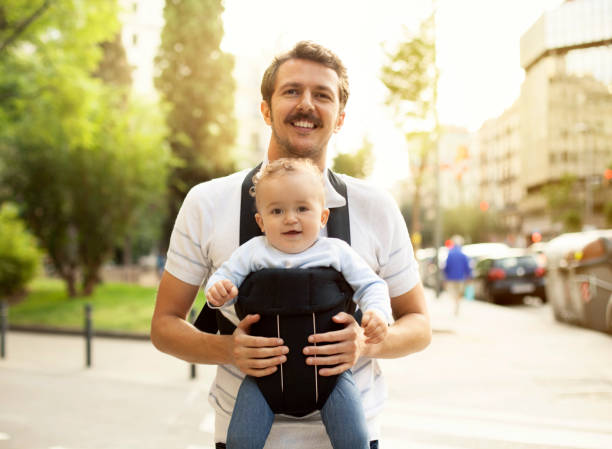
{"points": [[91, 278]]}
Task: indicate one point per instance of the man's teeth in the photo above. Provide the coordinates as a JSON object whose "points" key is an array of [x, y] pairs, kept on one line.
{"points": [[303, 124]]}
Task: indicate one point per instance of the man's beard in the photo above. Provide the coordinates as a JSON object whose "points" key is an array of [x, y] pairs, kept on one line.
{"points": [[290, 150]]}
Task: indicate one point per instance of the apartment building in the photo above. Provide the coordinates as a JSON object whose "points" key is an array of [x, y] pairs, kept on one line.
{"points": [[561, 123]]}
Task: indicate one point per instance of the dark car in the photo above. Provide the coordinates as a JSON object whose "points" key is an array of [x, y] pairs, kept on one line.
{"points": [[509, 277]]}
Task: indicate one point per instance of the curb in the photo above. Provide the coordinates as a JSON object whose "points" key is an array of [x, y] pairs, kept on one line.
{"points": [[38, 329]]}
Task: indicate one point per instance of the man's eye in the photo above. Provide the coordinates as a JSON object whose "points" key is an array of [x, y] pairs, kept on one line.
{"points": [[323, 96], [291, 92]]}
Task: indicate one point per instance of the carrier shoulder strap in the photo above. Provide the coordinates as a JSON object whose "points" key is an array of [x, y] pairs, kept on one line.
{"points": [[338, 226]]}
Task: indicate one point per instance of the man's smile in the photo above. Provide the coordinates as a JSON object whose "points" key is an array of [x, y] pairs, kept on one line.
{"points": [[304, 122]]}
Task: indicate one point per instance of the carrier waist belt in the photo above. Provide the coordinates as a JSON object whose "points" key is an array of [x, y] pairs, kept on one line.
{"points": [[293, 304]]}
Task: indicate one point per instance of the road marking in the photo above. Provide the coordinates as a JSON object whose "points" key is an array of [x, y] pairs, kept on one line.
{"points": [[480, 424]]}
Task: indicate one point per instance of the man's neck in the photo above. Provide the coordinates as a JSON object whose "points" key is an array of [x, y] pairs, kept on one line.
{"points": [[274, 154]]}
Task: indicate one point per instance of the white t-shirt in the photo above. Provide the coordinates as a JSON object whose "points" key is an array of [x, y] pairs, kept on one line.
{"points": [[371, 291], [206, 233]]}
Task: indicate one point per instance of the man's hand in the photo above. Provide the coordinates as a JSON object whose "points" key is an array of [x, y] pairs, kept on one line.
{"points": [[221, 292], [374, 326], [256, 356], [343, 349]]}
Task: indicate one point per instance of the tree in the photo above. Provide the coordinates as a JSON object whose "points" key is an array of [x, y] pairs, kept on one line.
{"points": [[19, 254], [472, 223], [195, 79], [563, 204], [80, 156], [411, 78], [359, 164]]}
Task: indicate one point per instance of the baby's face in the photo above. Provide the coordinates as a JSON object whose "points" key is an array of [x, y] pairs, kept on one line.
{"points": [[291, 211]]}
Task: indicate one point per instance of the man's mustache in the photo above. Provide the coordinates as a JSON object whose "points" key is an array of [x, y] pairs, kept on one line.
{"points": [[298, 116]]}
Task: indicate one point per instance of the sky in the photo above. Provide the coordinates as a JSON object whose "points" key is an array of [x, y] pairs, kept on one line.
{"points": [[478, 57]]}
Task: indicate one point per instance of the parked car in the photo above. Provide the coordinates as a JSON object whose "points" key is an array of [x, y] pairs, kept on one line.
{"points": [[427, 265], [508, 277], [579, 278], [477, 251]]}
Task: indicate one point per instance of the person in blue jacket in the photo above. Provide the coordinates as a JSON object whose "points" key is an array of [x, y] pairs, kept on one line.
{"points": [[457, 271]]}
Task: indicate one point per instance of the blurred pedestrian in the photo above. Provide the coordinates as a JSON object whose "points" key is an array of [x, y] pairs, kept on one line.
{"points": [[457, 271]]}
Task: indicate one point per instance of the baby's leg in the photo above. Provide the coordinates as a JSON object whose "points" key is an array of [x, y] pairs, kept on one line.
{"points": [[344, 417], [251, 420]]}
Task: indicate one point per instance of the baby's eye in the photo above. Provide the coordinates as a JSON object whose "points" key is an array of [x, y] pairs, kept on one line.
{"points": [[303, 209], [276, 211]]}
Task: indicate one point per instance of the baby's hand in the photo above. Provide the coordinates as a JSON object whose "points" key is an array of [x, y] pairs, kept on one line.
{"points": [[221, 292], [374, 326]]}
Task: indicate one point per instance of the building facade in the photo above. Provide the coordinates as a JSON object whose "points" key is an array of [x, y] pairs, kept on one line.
{"points": [[561, 125], [566, 108], [499, 168]]}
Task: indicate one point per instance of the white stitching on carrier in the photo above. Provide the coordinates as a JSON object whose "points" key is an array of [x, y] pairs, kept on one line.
{"points": [[314, 329]]}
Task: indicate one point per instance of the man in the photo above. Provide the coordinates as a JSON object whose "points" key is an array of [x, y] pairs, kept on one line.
{"points": [[304, 94], [457, 271]]}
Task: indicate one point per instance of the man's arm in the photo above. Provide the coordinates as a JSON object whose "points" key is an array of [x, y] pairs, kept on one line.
{"points": [[411, 332], [173, 334]]}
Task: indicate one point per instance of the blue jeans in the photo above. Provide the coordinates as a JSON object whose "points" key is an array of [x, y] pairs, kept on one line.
{"points": [[342, 416]]}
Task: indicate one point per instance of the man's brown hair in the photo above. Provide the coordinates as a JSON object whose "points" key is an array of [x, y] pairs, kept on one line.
{"points": [[309, 51]]}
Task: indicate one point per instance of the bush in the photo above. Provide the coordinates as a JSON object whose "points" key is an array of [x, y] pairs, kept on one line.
{"points": [[19, 254]]}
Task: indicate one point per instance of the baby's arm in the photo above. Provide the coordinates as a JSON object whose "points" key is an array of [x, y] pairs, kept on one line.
{"points": [[222, 287], [374, 326], [371, 294], [221, 292]]}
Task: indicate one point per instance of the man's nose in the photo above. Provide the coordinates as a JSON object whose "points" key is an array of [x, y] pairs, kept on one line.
{"points": [[305, 103]]}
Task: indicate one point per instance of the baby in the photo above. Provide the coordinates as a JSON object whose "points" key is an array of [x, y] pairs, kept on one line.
{"points": [[290, 200]]}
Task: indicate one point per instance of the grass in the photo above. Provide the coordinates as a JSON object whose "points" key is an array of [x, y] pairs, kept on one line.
{"points": [[115, 307]]}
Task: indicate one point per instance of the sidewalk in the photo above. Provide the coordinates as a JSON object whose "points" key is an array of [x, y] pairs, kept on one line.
{"points": [[134, 396], [138, 360]]}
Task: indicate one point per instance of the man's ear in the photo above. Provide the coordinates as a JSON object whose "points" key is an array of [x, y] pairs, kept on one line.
{"points": [[260, 222], [324, 217], [340, 121], [266, 111]]}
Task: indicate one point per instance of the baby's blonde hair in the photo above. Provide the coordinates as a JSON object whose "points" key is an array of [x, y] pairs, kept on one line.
{"points": [[284, 166]]}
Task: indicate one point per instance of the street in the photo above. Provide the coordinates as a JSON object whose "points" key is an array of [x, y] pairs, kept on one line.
{"points": [[494, 377]]}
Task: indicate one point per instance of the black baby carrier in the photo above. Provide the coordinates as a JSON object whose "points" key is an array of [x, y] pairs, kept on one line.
{"points": [[293, 304]]}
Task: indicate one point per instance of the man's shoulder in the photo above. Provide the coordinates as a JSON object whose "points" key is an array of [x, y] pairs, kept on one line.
{"points": [[219, 185], [367, 199], [364, 189]]}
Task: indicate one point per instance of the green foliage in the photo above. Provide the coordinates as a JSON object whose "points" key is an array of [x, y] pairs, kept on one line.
{"points": [[19, 254], [411, 77], [359, 164], [82, 158], [113, 67], [472, 223], [410, 74], [564, 205], [115, 306], [196, 81]]}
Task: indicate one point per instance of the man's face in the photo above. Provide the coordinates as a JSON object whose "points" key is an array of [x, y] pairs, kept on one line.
{"points": [[290, 211], [304, 110]]}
